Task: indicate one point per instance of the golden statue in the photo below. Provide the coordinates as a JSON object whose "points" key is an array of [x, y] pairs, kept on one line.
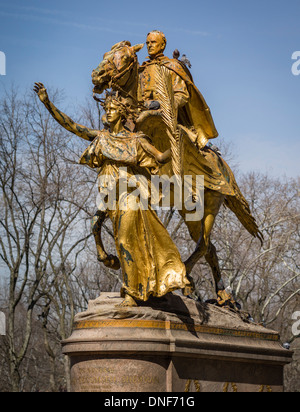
{"points": [[150, 262], [174, 114], [159, 124]]}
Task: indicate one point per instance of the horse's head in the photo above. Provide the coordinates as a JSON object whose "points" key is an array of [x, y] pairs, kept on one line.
{"points": [[117, 67]]}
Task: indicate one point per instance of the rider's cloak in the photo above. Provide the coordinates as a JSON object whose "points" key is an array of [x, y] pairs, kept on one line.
{"points": [[195, 114]]}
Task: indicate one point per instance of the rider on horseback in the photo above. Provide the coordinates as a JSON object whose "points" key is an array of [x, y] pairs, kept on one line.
{"points": [[193, 111], [174, 115]]}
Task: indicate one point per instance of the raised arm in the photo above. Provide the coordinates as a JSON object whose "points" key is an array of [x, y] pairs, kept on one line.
{"points": [[63, 119]]}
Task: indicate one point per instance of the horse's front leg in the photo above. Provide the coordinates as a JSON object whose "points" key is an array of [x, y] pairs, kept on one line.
{"points": [[109, 261], [213, 261]]}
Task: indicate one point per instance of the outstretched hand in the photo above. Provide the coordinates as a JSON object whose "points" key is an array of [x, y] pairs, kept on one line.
{"points": [[41, 91]]}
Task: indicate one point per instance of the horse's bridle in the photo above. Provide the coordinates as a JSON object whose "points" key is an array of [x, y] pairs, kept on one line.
{"points": [[117, 75]]}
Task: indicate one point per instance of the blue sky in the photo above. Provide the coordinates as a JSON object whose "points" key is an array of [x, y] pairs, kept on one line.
{"points": [[241, 54]]}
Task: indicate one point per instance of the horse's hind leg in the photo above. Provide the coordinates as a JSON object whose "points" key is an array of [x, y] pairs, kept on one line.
{"points": [[202, 246], [212, 203], [213, 261]]}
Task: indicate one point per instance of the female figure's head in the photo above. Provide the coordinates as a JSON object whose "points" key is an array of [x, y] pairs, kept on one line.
{"points": [[118, 111]]}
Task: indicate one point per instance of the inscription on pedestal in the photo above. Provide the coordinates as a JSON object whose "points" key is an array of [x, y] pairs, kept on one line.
{"points": [[123, 376]]}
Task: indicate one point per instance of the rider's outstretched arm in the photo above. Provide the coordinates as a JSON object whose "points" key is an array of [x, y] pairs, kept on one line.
{"points": [[63, 119]]}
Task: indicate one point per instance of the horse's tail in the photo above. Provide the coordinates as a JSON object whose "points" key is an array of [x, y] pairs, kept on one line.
{"points": [[240, 207]]}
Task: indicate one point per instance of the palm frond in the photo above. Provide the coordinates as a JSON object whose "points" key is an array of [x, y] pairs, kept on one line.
{"points": [[164, 89]]}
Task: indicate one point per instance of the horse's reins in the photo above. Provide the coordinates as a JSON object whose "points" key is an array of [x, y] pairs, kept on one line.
{"points": [[121, 74], [117, 76]]}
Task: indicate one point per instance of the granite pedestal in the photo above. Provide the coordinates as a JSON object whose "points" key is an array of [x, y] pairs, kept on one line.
{"points": [[172, 344]]}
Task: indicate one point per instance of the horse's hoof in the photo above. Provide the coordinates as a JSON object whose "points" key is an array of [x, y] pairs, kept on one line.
{"points": [[111, 262]]}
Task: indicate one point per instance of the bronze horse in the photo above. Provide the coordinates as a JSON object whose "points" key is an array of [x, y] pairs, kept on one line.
{"points": [[119, 71]]}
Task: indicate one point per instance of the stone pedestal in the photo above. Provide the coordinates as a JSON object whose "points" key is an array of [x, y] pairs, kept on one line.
{"points": [[171, 345]]}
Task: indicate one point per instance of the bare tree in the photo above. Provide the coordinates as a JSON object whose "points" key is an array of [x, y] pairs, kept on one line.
{"points": [[266, 280], [35, 220]]}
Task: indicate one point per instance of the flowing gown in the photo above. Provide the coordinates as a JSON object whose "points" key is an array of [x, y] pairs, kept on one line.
{"points": [[150, 261]]}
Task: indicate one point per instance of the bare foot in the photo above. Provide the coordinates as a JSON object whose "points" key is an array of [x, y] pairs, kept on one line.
{"points": [[127, 302]]}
